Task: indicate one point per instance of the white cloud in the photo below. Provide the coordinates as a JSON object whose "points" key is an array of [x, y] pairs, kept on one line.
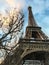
{"points": [[11, 3], [16, 3], [20, 4]]}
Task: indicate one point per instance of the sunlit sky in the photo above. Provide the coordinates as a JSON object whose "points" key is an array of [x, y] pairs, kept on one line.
{"points": [[40, 10]]}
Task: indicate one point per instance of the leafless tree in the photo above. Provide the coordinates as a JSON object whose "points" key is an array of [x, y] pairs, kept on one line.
{"points": [[11, 27]]}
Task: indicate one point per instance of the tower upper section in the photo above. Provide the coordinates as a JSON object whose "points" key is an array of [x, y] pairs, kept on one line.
{"points": [[31, 20], [33, 30]]}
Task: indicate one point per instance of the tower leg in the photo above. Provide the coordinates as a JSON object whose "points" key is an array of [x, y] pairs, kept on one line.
{"points": [[46, 61]]}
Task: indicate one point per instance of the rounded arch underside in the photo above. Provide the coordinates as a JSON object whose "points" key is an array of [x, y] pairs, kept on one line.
{"points": [[38, 55], [32, 51]]}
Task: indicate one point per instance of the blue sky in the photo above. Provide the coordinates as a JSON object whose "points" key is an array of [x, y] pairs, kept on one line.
{"points": [[40, 10]]}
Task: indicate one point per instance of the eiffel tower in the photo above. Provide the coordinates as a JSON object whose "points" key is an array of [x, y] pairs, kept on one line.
{"points": [[33, 49]]}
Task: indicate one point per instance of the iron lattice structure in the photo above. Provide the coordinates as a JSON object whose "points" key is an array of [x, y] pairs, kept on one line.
{"points": [[34, 46]]}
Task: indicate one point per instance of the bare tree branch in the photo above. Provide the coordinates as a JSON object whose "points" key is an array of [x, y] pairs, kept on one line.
{"points": [[15, 25]]}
